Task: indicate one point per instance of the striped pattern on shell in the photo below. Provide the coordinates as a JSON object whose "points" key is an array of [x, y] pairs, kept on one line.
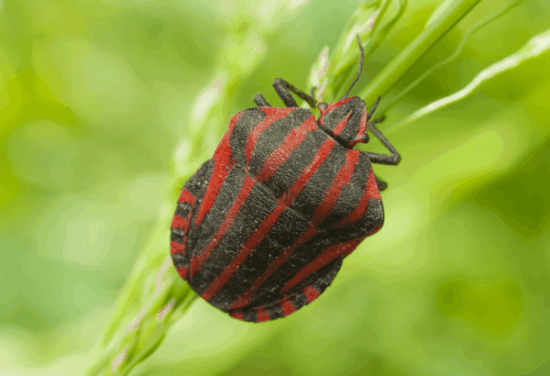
{"points": [[261, 229]]}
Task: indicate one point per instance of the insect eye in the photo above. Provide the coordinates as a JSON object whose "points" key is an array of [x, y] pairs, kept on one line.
{"points": [[365, 138], [322, 106]]}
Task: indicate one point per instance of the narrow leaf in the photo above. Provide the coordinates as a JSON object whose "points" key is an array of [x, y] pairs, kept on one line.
{"points": [[453, 56], [535, 47], [416, 49]]}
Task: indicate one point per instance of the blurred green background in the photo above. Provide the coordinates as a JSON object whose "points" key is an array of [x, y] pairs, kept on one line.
{"points": [[95, 98]]}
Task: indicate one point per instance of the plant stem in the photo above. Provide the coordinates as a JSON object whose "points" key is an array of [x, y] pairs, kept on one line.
{"points": [[416, 49]]}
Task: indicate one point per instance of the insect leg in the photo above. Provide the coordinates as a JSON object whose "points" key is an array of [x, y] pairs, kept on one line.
{"points": [[260, 101], [392, 159], [382, 185], [283, 89]]}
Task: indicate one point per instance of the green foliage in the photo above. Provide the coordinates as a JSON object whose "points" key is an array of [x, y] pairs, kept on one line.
{"points": [[108, 107]]}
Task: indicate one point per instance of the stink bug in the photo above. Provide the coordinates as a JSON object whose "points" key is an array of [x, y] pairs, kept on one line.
{"points": [[261, 229]]}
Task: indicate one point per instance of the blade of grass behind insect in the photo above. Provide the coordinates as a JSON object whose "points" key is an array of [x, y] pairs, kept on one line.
{"points": [[453, 56], [378, 36], [535, 47], [417, 48], [346, 53], [328, 74]]}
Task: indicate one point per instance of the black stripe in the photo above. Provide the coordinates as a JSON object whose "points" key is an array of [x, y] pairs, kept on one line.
{"points": [[179, 260], [250, 315], [286, 230], [320, 280], [290, 225], [201, 236], [274, 311], [272, 137], [237, 140], [257, 206], [183, 209], [374, 216], [299, 159], [177, 235], [299, 300], [197, 185], [357, 106], [314, 191], [325, 276], [331, 120], [351, 195], [301, 257]]}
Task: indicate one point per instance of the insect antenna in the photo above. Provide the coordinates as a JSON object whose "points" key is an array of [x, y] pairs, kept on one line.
{"points": [[360, 67]]}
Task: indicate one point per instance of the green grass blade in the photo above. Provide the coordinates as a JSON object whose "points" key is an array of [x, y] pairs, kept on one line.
{"points": [[417, 48], [453, 56], [535, 47], [379, 34]]}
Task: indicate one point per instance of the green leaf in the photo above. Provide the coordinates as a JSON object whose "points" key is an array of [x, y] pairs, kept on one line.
{"points": [[457, 51], [535, 47], [438, 12], [416, 49]]}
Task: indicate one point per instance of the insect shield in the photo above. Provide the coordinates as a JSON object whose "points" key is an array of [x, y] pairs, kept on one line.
{"points": [[261, 229]]}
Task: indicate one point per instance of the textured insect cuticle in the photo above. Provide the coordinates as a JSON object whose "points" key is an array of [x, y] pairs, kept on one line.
{"points": [[285, 199]]}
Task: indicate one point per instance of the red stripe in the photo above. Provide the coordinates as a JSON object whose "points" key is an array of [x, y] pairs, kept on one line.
{"points": [[362, 125], [245, 299], [362, 129], [328, 255], [294, 138], [371, 191], [334, 106], [176, 247], [182, 271], [311, 293], [187, 197], [251, 243], [341, 179], [222, 166], [179, 222], [272, 115], [238, 314], [341, 125], [283, 202], [261, 315], [198, 261], [286, 306]]}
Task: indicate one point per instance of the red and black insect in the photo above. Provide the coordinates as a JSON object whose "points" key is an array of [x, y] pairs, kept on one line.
{"points": [[261, 229]]}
